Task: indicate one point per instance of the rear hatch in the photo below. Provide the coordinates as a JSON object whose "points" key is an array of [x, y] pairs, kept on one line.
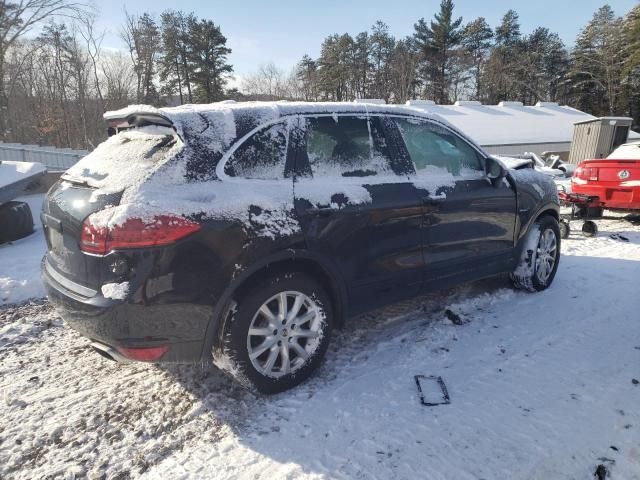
{"points": [[97, 182], [622, 174]]}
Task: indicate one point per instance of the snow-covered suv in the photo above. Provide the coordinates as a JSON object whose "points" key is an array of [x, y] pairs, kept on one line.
{"points": [[246, 232]]}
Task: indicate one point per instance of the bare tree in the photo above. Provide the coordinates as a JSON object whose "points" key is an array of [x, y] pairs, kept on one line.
{"points": [[17, 19], [269, 83]]}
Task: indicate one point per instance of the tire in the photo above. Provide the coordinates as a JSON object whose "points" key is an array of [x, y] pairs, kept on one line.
{"points": [[540, 256], [565, 229], [16, 221], [266, 369], [589, 228]]}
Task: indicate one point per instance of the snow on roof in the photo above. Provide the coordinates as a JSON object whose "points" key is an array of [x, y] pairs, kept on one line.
{"points": [[224, 122], [503, 124], [509, 122]]}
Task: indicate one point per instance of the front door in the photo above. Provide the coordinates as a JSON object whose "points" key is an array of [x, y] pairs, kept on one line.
{"points": [[469, 224], [356, 208]]}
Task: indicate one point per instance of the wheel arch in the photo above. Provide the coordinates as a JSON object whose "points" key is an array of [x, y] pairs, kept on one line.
{"points": [[291, 260]]}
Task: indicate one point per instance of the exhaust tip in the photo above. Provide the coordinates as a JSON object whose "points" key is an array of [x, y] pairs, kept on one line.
{"points": [[108, 352]]}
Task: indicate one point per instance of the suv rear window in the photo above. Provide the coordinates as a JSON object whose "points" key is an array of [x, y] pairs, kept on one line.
{"points": [[125, 158], [430, 145], [343, 147], [261, 156]]}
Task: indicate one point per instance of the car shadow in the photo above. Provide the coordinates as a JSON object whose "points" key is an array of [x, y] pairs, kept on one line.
{"points": [[257, 419]]}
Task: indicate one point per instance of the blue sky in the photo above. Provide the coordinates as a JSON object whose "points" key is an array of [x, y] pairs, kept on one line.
{"points": [[282, 31]]}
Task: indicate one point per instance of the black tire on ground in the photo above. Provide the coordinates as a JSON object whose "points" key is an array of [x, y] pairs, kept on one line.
{"points": [[589, 228], [565, 229], [235, 340], [16, 221], [528, 275]]}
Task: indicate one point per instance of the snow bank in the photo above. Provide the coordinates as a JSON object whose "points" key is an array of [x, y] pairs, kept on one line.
{"points": [[11, 172]]}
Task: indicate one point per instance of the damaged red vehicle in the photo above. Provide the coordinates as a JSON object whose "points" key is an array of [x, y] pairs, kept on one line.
{"points": [[615, 180]]}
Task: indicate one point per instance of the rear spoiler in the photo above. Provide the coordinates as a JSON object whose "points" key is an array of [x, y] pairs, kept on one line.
{"points": [[117, 123]]}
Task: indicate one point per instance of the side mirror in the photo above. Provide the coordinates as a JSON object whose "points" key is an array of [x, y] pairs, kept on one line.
{"points": [[494, 171]]}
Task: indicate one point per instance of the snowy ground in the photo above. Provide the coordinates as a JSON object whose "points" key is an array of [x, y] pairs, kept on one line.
{"points": [[542, 387]]}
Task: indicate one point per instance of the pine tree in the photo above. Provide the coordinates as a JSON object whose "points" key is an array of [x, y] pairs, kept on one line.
{"points": [[437, 42], [501, 72], [508, 32], [207, 58], [597, 63], [307, 76], [174, 68], [476, 39], [631, 70], [382, 45]]}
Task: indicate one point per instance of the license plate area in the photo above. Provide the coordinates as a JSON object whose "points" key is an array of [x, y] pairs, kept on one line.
{"points": [[622, 196]]}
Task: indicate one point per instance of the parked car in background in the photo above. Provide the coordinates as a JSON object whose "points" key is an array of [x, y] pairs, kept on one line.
{"points": [[615, 180], [246, 232]]}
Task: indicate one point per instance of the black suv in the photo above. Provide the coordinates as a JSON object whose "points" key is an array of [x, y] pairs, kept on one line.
{"points": [[244, 233]]}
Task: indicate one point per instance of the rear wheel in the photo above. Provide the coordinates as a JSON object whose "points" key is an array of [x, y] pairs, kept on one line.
{"points": [[16, 221], [540, 256], [278, 334]]}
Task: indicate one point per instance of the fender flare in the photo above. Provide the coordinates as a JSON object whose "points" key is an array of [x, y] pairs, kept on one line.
{"points": [[548, 206]]}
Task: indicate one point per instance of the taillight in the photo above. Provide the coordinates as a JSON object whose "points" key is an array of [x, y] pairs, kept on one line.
{"points": [[134, 233], [587, 173]]}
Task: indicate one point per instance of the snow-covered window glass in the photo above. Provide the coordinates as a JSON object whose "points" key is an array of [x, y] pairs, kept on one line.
{"points": [[431, 145], [343, 146], [261, 156]]}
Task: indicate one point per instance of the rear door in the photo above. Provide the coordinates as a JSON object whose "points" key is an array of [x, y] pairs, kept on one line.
{"points": [[357, 207], [468, 227]]}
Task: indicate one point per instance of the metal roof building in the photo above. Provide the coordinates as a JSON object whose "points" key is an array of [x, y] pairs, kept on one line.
{"points": [[511, 127]]}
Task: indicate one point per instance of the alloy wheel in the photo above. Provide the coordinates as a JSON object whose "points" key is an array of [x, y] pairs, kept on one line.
{"points": [[284, 333], [546, 255]]}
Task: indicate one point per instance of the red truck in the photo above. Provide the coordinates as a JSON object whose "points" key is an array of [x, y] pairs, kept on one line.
{"points": [[615, 180]]}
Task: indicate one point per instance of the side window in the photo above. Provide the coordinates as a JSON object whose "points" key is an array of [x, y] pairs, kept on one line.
{"points": [[433, 147], [261, 156], [344, 146]]}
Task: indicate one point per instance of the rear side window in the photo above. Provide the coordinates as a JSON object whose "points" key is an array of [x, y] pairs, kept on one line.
{"points": [[343, 146], [261, 156], [434, 148]]}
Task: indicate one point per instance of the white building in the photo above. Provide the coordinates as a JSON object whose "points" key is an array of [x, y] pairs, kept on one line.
{"points": [[510, 127]]}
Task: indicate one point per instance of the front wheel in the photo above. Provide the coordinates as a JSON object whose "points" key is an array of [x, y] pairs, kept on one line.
{"points": [[278, 333], [540, 256]]}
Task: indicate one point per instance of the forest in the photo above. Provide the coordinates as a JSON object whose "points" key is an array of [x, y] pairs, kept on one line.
{"points": [[57, 79]]}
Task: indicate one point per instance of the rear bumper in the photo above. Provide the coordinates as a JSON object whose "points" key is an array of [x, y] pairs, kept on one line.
{"points": [[612, 197], [133, 324]]}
